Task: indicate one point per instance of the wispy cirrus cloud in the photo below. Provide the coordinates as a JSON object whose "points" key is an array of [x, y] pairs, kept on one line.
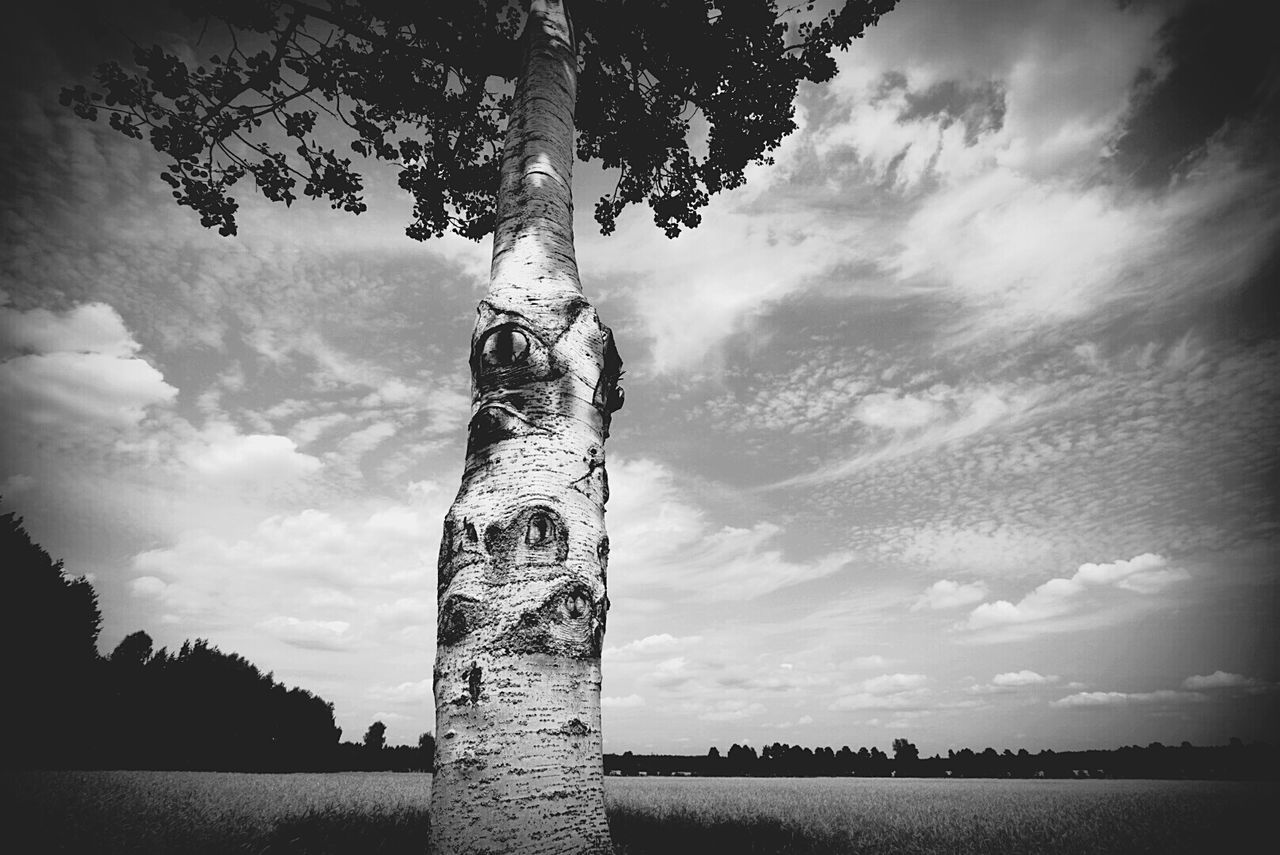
{"points": [[665, 541]]}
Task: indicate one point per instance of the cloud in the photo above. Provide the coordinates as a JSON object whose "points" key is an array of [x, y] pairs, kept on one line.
{"points": [[1123, 699], [411, 691], [969, 412], [1022, 678], [1220, 680], [671, 672], [985, 547], [76, 371], [729, 709], [626, 702], [663, 541], [946, 594], [221, 453], [309, 634], [896, 412], [651, 644], [888, 691], [298, 575], [1049, 607], [86, 328]]}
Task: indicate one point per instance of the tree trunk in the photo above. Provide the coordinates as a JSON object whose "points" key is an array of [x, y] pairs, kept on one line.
{"points": [[521, 594]]}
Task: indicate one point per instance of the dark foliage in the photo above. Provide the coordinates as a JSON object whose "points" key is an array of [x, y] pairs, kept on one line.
{"points": [[1235, 761], [201, 708], [375, 738], [414, 84], [141, 708], [48, 640]]}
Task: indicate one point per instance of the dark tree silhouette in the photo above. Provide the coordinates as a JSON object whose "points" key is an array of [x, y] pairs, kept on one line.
{"points": [[204, 709], [297, 86], [375, 738], [904, 751], [48, 640], [413, 84], [67, 706]]}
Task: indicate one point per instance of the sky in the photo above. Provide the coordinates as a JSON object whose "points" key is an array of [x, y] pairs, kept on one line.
{"points": [[957, 423]]}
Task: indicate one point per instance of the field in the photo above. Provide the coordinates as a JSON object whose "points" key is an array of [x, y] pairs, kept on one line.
{"points": [[206, 813]]}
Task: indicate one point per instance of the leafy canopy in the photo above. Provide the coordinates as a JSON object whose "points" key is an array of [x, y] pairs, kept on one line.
{"points": [[426, 86]]}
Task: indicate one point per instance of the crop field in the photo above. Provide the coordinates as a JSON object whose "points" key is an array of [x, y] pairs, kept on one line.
{"points": [[205, 813]]}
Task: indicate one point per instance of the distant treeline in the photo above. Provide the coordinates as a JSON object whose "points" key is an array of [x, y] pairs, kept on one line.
{"points": [[66, 706], [1235, 761], [140, 708]]}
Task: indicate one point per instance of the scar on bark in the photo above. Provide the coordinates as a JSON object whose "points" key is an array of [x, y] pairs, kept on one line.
{"points": [[609, 396], [459, 615], [473, 683], [498, 420], [569, 622], [534, 535], [594, 461], [575, 727]]}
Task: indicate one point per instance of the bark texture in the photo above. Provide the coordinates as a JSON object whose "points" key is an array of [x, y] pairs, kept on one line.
{"points": [[521, 593]]}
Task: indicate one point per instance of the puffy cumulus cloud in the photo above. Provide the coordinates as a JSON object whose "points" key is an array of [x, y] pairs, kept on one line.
{"points": [[86, 328], [408, 692], [1012, 681], [893, 683], [1072, 603], [81, 391], [308, 634], [221, 453], [1023, 678], [299, 573], [662, 643], [886, 692], [1221, 680], [664, 542], [670, 673], [946, 594], [76, 371], [1122, 699]]}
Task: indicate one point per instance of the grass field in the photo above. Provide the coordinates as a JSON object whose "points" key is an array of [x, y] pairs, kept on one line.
{"points": [[191, 812]]}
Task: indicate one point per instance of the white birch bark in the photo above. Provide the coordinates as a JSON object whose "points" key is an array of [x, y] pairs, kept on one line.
{"points": [[521, 594]]}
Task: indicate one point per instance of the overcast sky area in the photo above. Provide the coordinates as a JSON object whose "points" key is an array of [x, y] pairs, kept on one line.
{"points": [[958, 423]]}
